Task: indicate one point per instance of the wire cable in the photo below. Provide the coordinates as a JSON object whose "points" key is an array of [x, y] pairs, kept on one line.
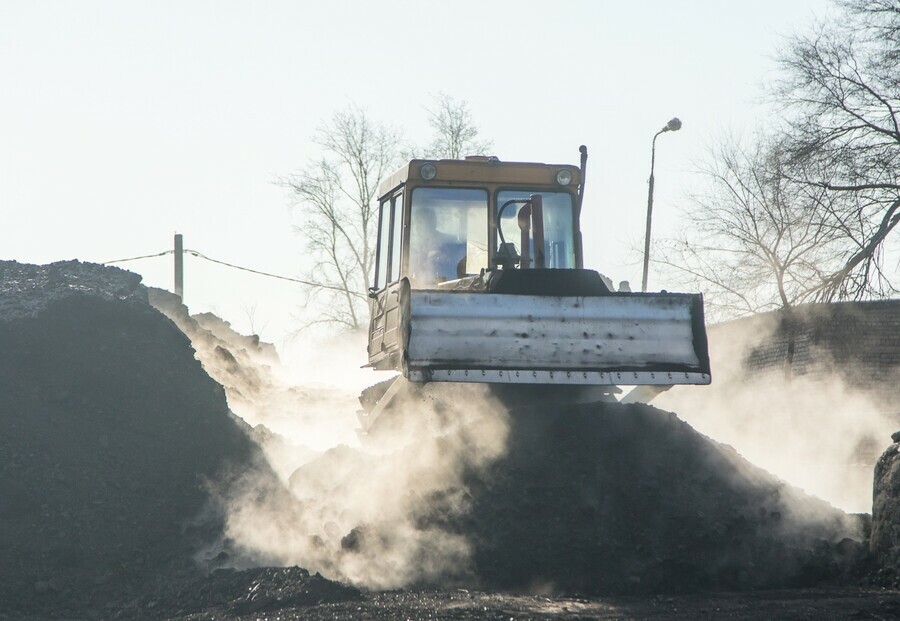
{"points": [[309, 283], [145, 256], [200, 255]]}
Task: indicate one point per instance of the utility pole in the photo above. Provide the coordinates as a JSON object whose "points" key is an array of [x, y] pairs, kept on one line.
{"points": [[179, 266]]}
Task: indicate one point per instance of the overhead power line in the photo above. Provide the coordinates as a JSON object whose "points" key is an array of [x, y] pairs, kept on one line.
{"points": [[200, 255], [145, 256], [252, 271]]}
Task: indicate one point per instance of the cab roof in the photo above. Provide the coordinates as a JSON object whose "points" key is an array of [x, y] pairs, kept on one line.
{"points": [[482, 170]]}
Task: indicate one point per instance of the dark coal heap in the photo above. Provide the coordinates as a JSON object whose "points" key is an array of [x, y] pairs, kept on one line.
{"points": [[111, 436], [603, 498], [611, 498], [885, 539]]}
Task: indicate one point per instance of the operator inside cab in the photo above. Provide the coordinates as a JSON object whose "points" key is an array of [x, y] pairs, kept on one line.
{"points": [[448, 235]]}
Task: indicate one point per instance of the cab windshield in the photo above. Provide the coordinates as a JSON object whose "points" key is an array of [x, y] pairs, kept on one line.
{"points": [[559, 231], [448, 234]]}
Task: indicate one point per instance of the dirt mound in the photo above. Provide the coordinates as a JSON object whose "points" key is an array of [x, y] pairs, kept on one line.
{"points": [[227, 593], [241, 364], [619, 498], [111, 438], [608, 498], [885, 540], [117, 451]]}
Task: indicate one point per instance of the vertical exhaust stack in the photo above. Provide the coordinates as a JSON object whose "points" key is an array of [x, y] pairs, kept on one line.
{"points": [[583, 165], [579, 250]]}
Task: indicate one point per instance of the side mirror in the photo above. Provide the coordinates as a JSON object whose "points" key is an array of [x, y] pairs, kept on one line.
{"points": [[373, 292]]}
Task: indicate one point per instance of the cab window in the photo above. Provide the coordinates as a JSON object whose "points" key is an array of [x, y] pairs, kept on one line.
{"points": [[384, 228], [396, 238], [390, 234], [559, 230], [448, 234]]}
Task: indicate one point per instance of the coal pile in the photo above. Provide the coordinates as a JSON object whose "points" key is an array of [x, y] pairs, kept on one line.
{"points": [[610, 498], [605, 498], [885, 539], [112, 437], [240, 364], [226, 593], [119, 457]]}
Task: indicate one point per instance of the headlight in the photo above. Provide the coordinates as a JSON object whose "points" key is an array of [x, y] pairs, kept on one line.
{"points": [[427, 172], [564, 177]]}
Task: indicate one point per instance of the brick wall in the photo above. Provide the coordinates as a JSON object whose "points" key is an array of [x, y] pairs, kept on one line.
{"points": [[860, 341]]}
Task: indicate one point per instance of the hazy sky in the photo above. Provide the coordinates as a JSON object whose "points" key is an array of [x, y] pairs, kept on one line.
{"points": [[122, 122]]}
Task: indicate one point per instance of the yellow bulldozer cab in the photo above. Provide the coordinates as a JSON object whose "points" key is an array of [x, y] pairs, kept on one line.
{"points": [[449, 224]]}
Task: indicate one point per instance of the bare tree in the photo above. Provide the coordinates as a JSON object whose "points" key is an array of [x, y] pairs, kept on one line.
{"points": [[455, 133], [758, 240], [337, 197], [840, 88], [803, 214]]}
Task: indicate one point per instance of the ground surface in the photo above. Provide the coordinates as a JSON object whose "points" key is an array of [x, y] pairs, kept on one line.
{"points": [[835, 605], [462, 605], [119, 455], [291, 594]]}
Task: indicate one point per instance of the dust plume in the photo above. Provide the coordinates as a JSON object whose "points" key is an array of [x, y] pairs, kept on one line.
{"points": [[816, 431], [377, 513], [374, 515], [292, 423]]}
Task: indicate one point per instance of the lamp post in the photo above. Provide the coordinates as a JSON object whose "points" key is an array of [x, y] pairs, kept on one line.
{"points": [[672, 126]]}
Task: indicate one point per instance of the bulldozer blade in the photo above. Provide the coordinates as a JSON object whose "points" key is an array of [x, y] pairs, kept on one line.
{"points": [[616, 339]]}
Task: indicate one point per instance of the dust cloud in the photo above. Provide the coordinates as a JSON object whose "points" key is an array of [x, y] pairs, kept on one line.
{"points": [[814, 431], [373, 513]]}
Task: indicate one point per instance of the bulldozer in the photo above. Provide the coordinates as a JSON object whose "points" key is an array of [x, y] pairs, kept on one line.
{"points": [[480, 278]]}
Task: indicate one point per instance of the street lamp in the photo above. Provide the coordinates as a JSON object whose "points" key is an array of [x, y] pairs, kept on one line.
{"points": [[672, 126]]}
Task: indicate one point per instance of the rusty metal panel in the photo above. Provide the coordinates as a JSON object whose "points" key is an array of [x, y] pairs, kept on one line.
{"points": [[627, 339]]}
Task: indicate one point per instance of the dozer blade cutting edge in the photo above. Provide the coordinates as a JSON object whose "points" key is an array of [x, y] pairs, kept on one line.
{"points": [[627, 339]]}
